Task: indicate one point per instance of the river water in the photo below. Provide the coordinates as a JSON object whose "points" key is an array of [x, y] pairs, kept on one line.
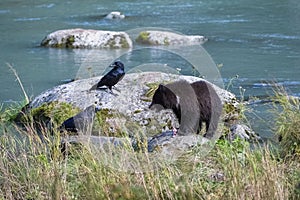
{"points": [[255, 42]]}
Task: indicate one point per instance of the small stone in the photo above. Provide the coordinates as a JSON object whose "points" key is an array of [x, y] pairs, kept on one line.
{"points": [[115, 15], [242, 131]]}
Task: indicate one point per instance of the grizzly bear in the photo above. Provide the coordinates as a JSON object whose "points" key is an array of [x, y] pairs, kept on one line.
{"points": [[192, 104]]}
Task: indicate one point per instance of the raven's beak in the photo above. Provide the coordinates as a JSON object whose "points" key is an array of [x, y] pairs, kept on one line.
{"points": [[113, 65]]}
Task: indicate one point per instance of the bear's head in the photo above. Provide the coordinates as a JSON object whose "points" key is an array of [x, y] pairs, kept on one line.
{"points": [[164, 97]]}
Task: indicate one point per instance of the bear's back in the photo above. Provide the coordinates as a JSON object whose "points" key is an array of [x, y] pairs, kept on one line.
{"points": [[206, 94], [189, 113], [210, 105]]}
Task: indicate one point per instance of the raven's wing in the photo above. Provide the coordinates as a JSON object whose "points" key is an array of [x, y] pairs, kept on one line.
{"points": [[110, 79], [119, 74], [104, 80]]}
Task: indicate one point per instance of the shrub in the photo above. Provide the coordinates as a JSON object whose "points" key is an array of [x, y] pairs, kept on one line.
{"points": [[287, 123]]}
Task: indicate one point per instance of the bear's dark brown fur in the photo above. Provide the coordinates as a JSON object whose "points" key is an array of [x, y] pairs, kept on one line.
{"points": [[192, 104]]}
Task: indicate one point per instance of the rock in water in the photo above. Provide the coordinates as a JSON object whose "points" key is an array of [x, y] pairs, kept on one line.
{"points": [[115, 15], [166, 38], [87, 38]]}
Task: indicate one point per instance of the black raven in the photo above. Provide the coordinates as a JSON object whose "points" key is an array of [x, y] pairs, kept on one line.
{"points": [[112, 77]]}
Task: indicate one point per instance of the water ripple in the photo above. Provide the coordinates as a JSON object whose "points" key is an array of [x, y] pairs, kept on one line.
{"points": [[29, 19], [225, 21], [276, 36], [283, 83], [4, 11], [46, 5]]}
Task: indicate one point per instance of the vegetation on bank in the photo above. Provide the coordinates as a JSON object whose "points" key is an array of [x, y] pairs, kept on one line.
{"points": [[30, 169], [287, 111]]}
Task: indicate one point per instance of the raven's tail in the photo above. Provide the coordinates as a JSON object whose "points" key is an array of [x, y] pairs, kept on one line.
{"points": [[94, 87]]}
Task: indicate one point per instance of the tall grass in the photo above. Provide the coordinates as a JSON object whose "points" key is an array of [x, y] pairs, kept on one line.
{"points": [[252, 174], [19, 81], [286, 110], [287, 114], [30, 169]]}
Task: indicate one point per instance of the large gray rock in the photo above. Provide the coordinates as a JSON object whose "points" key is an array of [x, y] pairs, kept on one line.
{"points": [[131, 103], [129, 98], [168, 38], [87, 38]]}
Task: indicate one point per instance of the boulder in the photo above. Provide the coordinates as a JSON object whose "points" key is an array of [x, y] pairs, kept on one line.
{"points": [[126, 109], [131, 99], [168, 38], [132, 91], [87, 38]]}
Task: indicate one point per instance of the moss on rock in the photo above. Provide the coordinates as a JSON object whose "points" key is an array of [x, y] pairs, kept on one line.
{"points": [[231, 113], [166, 41], [109, 123], [57, 111], [143, 38], [70, 41]]}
